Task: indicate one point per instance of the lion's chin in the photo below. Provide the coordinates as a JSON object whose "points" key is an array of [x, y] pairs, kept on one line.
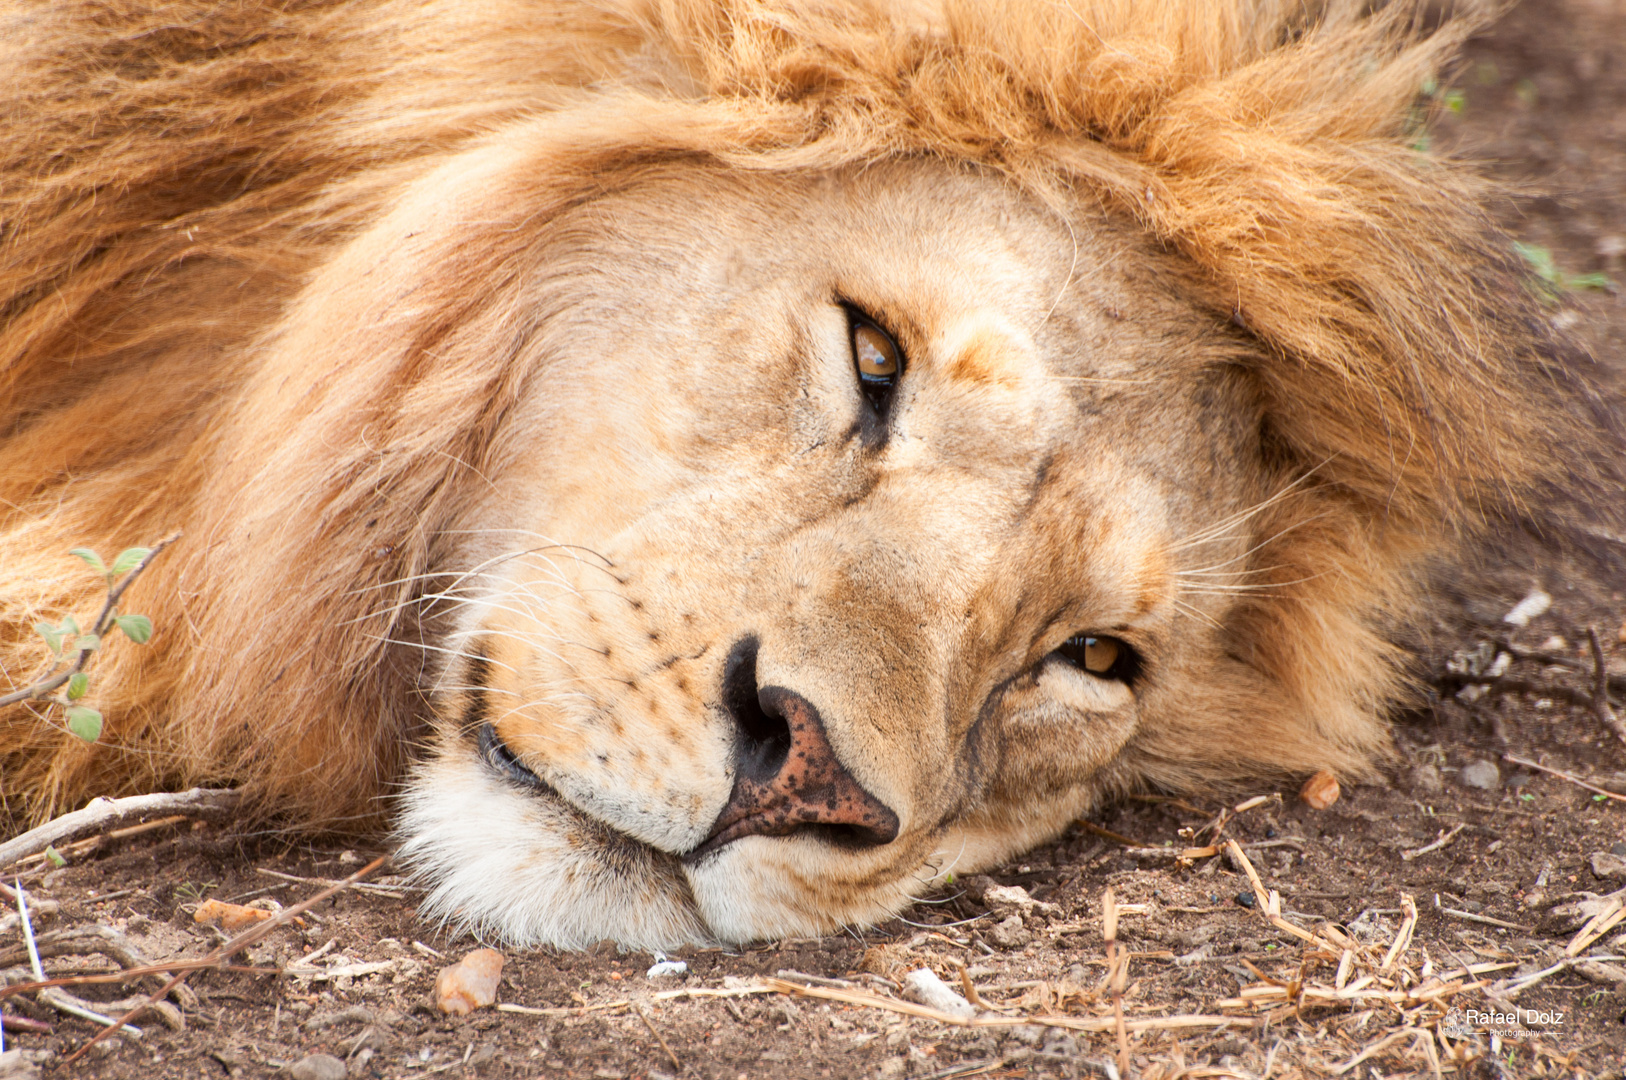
{"points": [[529, 870], [525, 867]]}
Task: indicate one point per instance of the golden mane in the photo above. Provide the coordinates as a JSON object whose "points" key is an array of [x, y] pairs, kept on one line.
{"points": [[171, 175]]}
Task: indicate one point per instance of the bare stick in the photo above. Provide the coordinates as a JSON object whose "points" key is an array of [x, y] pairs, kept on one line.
{"points": [[102, 814], [583, 1010], [1117, 974], [231, 948], [1402, 940], [57, 999], [673, 1058], [1599, 925], [1445, 838], [394, 892], [1457, 913], [1577, 781], [44, 686], [1072, 1023], [1600, 688]]}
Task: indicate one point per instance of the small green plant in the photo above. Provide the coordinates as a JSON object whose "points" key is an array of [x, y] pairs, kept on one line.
{"points": [[1553, 279], [191, 892], [1431, 96], [64, 682]]}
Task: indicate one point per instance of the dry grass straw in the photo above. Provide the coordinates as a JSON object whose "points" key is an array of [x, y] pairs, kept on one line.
{"points": [[1364, 975]]}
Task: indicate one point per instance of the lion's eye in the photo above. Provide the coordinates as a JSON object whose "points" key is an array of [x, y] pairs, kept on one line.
{"points": [[1105, 657], [877, 358]]}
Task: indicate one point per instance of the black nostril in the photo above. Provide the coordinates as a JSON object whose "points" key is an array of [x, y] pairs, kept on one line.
{"points": [[764, 733]]}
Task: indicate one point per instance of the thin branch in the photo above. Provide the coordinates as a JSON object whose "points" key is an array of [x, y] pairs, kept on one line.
{"points": [[670, 1056], [1600, 688], [101, 814], [1444, 839], [1562, 775], [229, 949], [49, 683]]}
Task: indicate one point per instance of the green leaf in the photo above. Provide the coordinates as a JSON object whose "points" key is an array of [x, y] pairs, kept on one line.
{"points": [[1593, 280], [1541, 261], [92, 560], [88, 643], [129, 559], [52, 636], [54, 857], [78, 685], [70, 625], [138, 628], [85, 722]]}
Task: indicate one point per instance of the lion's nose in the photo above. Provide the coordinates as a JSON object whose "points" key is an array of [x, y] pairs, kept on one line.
{"points": [[789, 778]]}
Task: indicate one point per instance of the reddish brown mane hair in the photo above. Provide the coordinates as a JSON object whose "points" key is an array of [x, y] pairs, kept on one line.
{"points": [[171, 175]]}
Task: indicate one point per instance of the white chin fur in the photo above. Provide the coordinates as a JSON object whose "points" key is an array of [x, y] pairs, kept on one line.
{"points": [[530, 870], [761, 889], [527, 871]]}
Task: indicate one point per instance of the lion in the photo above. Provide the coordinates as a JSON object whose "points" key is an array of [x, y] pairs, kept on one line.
{"points": [[708, 471]]}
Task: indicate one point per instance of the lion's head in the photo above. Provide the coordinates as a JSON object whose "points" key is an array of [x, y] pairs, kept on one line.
{"points": [[801, 452]]}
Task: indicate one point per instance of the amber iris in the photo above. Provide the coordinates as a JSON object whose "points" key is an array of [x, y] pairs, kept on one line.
{"points": [[874, 353], [1103, 656]]}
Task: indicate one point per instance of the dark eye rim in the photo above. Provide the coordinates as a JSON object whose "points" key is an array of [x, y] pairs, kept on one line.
{"points": [[1125, 669], [877, 389]]}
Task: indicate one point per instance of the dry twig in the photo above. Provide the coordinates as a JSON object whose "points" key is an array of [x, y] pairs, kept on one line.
{"points": [[1597, 926], [1577, 781], [1600, 688], [100, 815], [673, 1058], [219, 958], [1443, 839]]}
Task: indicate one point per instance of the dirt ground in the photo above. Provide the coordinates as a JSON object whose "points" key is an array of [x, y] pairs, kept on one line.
{"points": [[1543, 103]]}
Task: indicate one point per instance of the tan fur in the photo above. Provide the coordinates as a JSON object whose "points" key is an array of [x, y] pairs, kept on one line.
{"points": [[286, 278]]}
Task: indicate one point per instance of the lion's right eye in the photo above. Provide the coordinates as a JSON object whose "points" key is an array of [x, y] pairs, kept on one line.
{"points": [[1103, 657], [876, 358]]}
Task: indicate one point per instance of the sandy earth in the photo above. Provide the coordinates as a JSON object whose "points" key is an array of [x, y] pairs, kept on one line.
{"points": [[1544, 104]]}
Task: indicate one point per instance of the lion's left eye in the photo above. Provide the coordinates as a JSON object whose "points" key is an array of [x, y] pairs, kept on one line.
{"points": [[1105, 657], [877, 359]]}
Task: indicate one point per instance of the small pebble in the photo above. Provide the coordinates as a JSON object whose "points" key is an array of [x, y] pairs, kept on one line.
{"points": [[1010, 934], [1606, 864], [924, 986], [469, 984], [1533, 605], [317, 1067], [1320, 791], [664, 968], [232, 917], [1480, 774], [1426, 779]]}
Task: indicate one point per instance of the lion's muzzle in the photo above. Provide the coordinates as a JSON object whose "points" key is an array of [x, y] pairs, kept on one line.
{"points": [[789, 777]]}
